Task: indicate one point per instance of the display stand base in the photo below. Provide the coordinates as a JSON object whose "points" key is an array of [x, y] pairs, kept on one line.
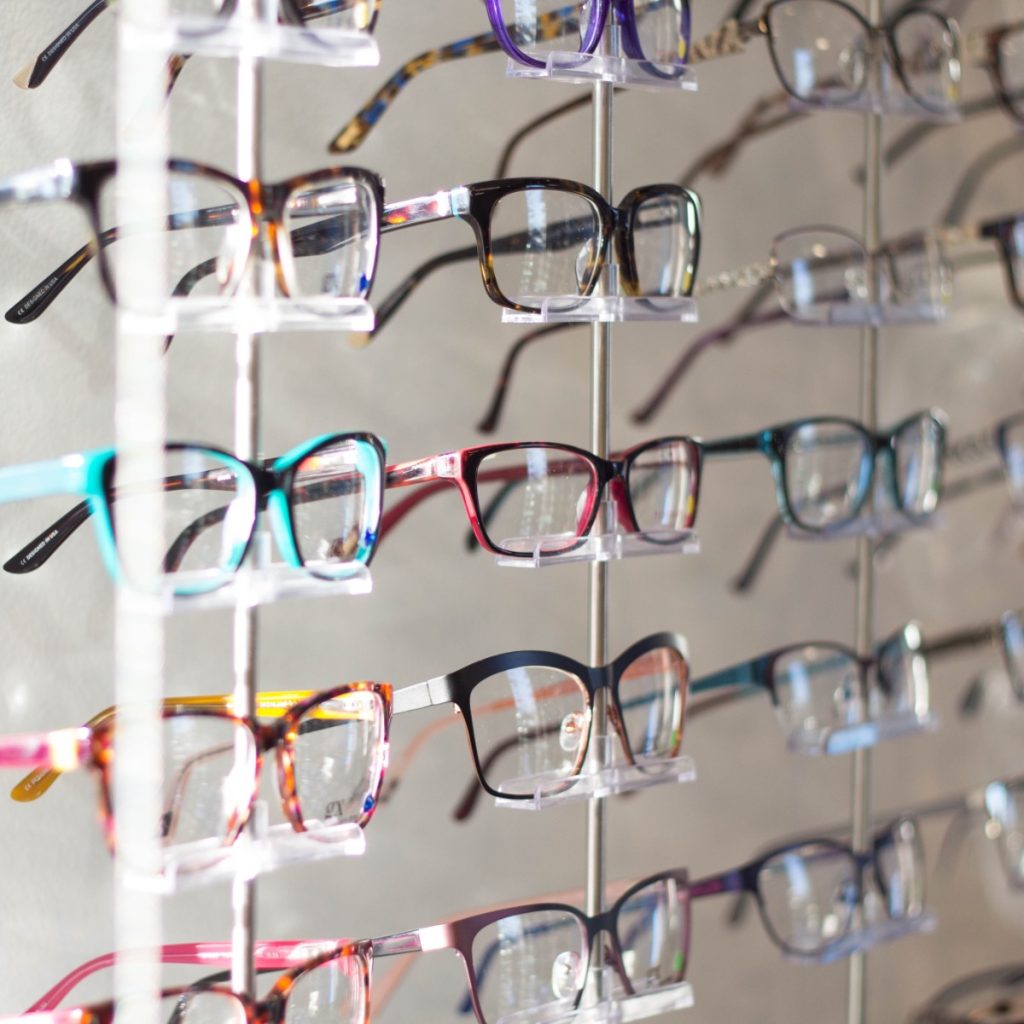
{"points": [[614, 1010], [247, 315], [869, 936], [602, 547], [572, 309], [623, 72], [846, 738], [550, 789], [256, 852]]}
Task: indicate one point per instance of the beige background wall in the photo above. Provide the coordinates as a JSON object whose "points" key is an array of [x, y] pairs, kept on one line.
{"points": [[422, 386]]}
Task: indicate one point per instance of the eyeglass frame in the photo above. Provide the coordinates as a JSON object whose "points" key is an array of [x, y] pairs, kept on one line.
{"points": [[90, 474], [51, 754], [82, 183]]}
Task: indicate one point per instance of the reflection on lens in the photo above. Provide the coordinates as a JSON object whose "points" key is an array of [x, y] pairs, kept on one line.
{"points": [[1012, 451], [325, 18], [528, 965], [901, 870], [546, 244], [653, 931], [1010, 58], [339, 759], [929, 55], [209, 778], [808, 895], [663, 28], [536, 496], [821, 51], [207, 502], [539, 27], [662, 484], [1016, 247], [1013, 650], [333, 993], [916, 277], [1005, 805], [196, 1006], [335, 501], [200, 240], [664, 239], [828, 469], [331, 230], [652, 697], [902, 677], [531, 726], [818, 270], [817, 689], [917, 452]]}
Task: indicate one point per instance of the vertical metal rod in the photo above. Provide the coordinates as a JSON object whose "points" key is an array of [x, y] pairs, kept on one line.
{"points": [[246, 442], [860, 788], [600, 400]]}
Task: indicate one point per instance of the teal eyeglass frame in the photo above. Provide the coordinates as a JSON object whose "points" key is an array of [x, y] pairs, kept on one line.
{"points": [[261, 487]]}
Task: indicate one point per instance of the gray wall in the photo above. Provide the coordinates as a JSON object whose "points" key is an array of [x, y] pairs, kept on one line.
{"points": [[422, 386]]}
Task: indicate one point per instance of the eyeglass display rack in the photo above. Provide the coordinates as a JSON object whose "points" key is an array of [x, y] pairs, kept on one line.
{"points": [[141, 413]]}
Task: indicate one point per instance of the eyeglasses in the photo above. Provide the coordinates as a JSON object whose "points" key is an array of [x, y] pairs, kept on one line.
{"points": [[335, 984], [546, 240], [807, 891], [522, 961], [989, 996], [537, 238], [539, 498], [330, 747], [528, 713], [327, 16], [322, 229], [654, 31], [823, 51], [324, 498], [822, 274], [1007, 449], [820, 689], [824, 468]]}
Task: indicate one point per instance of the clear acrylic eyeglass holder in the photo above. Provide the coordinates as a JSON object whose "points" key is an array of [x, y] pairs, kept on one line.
{"points": [[882, 94], [606, 542], [260, 849], [834, 740], [884, 314], [251, 314], [550, 789], [266, 37], [261, 580], [876, 928], [609, 1009], [572, 309], [624, 72]]}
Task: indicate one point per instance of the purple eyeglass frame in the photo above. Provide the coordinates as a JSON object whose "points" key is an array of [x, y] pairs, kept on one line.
{"points": [[625, 17]]}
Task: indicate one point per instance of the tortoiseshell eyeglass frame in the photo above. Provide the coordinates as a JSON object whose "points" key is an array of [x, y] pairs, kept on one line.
{"points": [[291, 12], [475, 204], [93, 747], [265, 206]]}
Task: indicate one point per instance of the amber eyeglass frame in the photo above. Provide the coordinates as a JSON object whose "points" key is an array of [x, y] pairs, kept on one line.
{"points": [[285, 709], [266, 209]]}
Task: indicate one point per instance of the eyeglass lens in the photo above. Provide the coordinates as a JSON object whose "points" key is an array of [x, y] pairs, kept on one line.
{"points": [[208, 506], [1013, 458], [545, 243], [664, 241], [1010, 59], [827, 469]]}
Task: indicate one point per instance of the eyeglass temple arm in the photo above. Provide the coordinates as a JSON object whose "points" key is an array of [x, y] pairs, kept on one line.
{"points": [[352, 135], [747, 317], [967, 187], [35, 72], [37, 551], [39, 298], [267, 955], [489, 423]]}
